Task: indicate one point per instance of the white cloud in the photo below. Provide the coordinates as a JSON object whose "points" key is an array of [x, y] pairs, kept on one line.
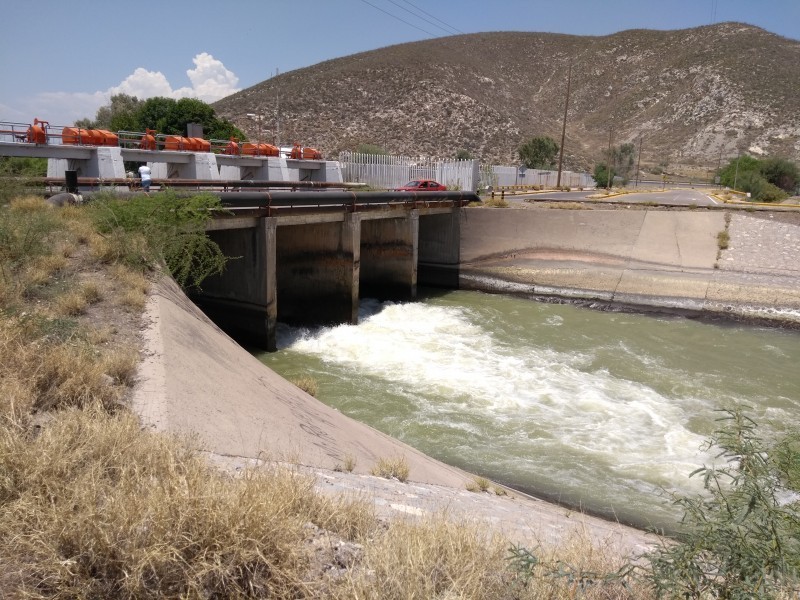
{"points": [[210, 80], [143, 84]]}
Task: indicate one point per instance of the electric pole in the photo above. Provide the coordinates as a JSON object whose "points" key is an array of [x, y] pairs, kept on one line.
{"points": [[638, 161], [564, 128], [608, 166]]}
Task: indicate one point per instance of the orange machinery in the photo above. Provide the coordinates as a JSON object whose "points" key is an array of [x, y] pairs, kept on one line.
{"points": [[250, 149], [37, 133], [88, 137], [301, 152]]}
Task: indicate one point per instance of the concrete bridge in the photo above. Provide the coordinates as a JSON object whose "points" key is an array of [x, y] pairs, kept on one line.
{"points": [[107, 162], [311, 264]]}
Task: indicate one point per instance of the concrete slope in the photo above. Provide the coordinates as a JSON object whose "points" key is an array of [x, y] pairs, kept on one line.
{"points": [[196, 381]]}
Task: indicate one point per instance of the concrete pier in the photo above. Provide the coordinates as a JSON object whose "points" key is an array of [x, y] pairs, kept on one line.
{"points": [[389, 257], [312, 269]]}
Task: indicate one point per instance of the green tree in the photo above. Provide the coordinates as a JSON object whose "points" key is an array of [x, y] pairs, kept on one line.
{"points": [[539, 153], [601, 175], [731, 173], [463, 154], [762, 179], [781, 173], [622, 161], [155, 114], [188, 110], [165, 115]]}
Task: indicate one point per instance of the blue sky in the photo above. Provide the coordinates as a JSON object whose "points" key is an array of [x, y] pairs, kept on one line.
{"points": [[62, 59]]}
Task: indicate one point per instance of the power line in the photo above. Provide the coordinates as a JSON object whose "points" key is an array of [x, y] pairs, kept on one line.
{"points": [[446, 25], [399, 19]]}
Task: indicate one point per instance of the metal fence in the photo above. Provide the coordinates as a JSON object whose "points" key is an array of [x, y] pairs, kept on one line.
{"points": [[545, 179], [389, 171]]}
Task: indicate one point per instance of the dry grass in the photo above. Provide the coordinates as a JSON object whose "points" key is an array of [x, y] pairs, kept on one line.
{"points": [[91, 506], [306, 383], [395, 467], [111, 511], [478, 484], [496, 202]]}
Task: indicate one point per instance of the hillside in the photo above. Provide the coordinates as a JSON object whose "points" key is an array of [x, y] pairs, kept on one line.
{"points": [[695, 95]]}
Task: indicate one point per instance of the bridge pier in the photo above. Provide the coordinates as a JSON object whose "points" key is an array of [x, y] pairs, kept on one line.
{"points": [[243, 299], [311, 269], [389, 256], [318, 271], [101, 162], [439, 249]]}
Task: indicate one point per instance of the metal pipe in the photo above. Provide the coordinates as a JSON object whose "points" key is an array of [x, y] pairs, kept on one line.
{"points": [[312, 200]]}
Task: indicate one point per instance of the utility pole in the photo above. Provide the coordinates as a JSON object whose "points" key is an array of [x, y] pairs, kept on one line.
{"points": [[638, 161], [736, 173], [564, 128], [608, 166]]}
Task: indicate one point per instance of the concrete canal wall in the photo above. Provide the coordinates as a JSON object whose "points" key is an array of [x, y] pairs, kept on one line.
{"points": [[646, 258]]}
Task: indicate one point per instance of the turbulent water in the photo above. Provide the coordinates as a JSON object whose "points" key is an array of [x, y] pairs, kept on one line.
{"points": [[606, 411]]}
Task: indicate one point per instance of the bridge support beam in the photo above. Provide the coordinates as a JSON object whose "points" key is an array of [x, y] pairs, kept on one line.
{"points": [[242, 300], [311, 269], [439, 249], [105, 163], [200, 165], [318, 271], [389, 257]]}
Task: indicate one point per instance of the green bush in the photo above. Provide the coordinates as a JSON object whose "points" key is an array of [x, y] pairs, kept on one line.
{"points": [[162, 229], [601, 177], [742, 537]]}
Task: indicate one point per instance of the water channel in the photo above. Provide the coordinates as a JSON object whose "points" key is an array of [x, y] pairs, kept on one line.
{"points": [[605, 411]]}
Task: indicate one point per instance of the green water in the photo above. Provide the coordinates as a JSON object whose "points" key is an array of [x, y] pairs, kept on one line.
{"points": [[606, 411]]}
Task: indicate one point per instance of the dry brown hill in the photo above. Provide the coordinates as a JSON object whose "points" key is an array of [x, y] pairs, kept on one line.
{"points": [[695, 95]]}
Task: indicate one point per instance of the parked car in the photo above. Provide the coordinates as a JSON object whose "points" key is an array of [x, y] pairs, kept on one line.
{"points": [[423, 185]]}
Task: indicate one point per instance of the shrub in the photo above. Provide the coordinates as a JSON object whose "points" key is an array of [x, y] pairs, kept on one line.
{"points": [[723, 239], [601, 176], [742, 538], [146, 231]]}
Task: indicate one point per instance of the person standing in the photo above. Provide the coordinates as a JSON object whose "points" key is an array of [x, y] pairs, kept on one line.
{"points": [[146, 177]]}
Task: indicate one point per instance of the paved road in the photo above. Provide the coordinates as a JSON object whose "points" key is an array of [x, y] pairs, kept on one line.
{"points": [[676, 197]]}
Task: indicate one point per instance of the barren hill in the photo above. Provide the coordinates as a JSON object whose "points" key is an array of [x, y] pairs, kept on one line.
{"points": [[695, 95]]}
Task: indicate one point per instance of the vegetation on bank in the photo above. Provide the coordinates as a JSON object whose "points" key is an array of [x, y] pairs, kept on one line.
{"points": [[92, 506], [765, 179]]}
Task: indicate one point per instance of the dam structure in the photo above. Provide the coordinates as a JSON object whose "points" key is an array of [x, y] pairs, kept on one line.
{"points": [[307, 258]]}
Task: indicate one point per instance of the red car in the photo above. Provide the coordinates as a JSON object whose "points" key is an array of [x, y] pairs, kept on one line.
{"points": [[423, 185]]}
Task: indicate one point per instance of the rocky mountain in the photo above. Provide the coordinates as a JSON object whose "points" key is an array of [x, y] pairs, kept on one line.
{"points": [[695, 96]]}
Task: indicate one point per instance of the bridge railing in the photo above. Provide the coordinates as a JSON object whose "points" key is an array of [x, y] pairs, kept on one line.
{"points": [[40, 132]]}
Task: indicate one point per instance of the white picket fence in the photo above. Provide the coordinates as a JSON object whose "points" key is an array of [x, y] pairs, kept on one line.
{"points": [[385, 171]]}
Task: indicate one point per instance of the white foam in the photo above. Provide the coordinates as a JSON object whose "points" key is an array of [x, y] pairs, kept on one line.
{"points": [[443, 357]]}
